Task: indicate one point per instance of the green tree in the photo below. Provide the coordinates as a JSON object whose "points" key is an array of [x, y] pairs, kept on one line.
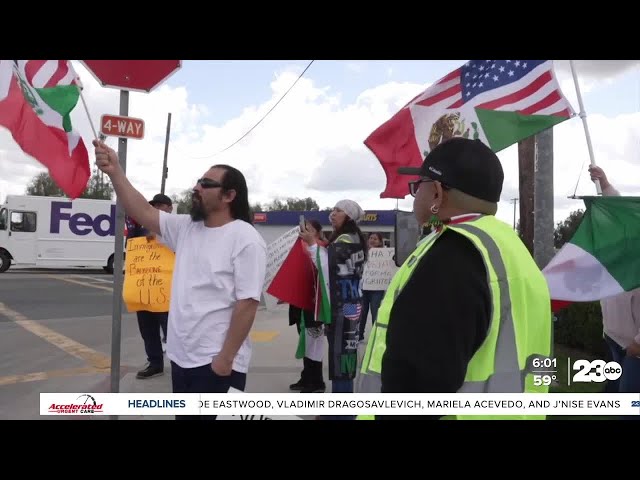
{"points": [[290, 203], [98, 187], [182, 202], [42, 185], [567, 228]]}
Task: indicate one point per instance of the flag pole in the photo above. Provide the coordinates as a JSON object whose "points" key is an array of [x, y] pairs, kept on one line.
{"points": [[86, 109], [583, 116], [100, 138]]}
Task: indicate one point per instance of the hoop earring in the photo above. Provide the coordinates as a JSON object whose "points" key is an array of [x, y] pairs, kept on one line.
{"points": [[434, 221]]}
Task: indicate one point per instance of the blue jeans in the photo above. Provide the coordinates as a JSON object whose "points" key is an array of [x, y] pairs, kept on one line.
{"points": [[371, 298], [153, 327], [629, 382]]}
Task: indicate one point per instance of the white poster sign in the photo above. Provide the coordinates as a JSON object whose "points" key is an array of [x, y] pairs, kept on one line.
{"points": [[379, 269], [277, 251]]}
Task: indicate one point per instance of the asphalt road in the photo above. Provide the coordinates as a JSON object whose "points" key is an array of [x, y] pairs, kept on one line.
{"points": [[56, 336], [57, 294]]}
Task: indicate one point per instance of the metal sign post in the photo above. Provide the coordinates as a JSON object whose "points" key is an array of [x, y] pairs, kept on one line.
{"points": [[125, 75], [166, 153], [118, 262]]}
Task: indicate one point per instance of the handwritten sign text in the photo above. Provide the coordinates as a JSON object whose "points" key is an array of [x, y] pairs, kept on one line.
{"points": [[147, 278], [379, 269]]}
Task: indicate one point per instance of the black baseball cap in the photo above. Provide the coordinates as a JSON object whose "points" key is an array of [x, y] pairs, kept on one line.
{"points": [[161, 199], [464, 164]]}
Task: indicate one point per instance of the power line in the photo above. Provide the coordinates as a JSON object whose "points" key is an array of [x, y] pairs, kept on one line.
{"points": [[259, 121]]}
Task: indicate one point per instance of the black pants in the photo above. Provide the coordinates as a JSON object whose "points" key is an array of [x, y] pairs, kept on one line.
{"points": [[203, 380], [150, 324]]}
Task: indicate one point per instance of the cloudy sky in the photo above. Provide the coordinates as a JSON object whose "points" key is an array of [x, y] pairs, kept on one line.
{"points": [[311, 144]]}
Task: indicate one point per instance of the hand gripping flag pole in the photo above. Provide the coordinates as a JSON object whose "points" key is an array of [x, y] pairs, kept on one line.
{"points": [[583, 116]]}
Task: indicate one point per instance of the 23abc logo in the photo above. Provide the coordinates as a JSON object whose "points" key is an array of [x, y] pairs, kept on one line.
{"points": [[596, 371]]}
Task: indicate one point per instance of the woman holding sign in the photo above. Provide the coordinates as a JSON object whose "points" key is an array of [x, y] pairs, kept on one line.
{"points": [[371, 298], [340, 265]]}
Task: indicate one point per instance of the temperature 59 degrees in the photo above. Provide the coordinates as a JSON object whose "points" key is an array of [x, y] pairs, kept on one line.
{"points": [[544, 371], [543, 379]]}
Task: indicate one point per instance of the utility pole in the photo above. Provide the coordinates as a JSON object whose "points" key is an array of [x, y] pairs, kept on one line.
{"points": [[165, 170], [543, 227], [526, 164], [515, 202]]}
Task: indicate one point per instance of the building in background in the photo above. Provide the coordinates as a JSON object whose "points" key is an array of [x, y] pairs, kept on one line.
{"points": [[273, 225]]}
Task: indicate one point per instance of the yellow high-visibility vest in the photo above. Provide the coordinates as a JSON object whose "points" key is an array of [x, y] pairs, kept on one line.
{"points": [[521, 321]]}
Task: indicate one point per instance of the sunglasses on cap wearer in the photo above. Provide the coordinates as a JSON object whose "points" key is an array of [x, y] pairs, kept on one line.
{"points": [[415, 185], [208, 183]]}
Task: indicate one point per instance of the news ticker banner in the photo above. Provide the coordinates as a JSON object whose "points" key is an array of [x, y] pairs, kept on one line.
{"points": [[280, 405]]}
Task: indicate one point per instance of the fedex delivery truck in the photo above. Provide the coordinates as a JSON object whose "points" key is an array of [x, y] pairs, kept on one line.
{"points": [[56, 232]]}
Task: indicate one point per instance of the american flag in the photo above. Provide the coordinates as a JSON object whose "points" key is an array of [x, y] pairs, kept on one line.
{"points": [[465, 103], [528, 87], [351, 311]]}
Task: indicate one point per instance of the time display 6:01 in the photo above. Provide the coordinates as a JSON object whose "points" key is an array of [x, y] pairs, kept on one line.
{"points": [[544, 363]]}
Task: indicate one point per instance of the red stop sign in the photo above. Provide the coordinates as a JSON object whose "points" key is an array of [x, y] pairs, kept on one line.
{"points": [[138, 75]]}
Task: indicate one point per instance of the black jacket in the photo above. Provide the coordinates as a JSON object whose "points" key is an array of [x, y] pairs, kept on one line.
{"points": [[438, 321]]}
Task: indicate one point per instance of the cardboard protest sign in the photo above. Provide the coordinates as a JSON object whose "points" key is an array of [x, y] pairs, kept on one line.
{"points": [[379, 269], [277, 251], [148, 273]]}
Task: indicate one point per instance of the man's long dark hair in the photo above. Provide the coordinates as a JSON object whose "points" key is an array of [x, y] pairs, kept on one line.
{"points": [[349, 226], [233, 179]]}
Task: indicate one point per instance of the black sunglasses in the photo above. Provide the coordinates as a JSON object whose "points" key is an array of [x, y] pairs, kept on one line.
{"points": [[208, 183], [415, 185]]}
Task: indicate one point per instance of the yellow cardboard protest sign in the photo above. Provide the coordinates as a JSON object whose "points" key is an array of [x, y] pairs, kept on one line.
{"points": [[147, 275]]}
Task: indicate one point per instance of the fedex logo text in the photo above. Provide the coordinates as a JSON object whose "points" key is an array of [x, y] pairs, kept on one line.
{"points": [[82, 223]]}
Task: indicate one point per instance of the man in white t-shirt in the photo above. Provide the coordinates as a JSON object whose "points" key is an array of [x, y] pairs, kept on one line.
{"points": [[218, 275]]}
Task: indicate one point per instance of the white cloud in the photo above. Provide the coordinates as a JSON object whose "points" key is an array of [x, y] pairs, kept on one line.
{"points": [[616, 145], [357, 172], [596, 69], [356, 67], [312, 144]]}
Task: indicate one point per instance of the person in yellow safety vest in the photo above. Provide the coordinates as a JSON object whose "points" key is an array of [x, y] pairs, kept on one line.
{"points": [[469, 310]]}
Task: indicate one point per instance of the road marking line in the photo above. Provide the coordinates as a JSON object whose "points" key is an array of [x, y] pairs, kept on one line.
{"points": [[76, 349], [96, 279], [84, 284], [264, 336], [38, 376], [257, 336]]}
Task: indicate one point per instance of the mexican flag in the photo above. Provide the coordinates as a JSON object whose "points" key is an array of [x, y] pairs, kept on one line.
{"points": [[499, 102], [294, 283], [602, 258], [36, 100]]}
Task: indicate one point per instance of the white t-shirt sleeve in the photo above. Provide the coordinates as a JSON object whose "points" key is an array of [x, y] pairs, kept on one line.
{"points": [[170, 228], [249, 270]]}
